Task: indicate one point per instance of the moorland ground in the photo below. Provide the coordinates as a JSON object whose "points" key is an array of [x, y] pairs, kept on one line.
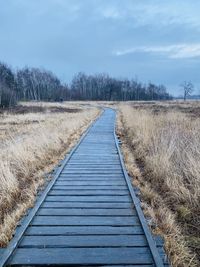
{"points": [[161, 147]]}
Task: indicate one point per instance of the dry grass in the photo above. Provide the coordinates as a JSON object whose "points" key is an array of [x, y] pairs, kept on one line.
{"points": [[31, 144], [161, 145], [162, 151]]}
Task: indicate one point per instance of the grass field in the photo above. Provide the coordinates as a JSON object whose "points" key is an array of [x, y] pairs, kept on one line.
{"points": [[33, 138], [161, 145]]}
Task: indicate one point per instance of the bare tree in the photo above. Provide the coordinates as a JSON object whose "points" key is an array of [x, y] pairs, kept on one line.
{"points": [[7, 86], [188, 88]]}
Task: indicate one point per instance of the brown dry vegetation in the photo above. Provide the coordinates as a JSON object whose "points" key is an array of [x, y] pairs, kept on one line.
{"points": [[161, 145], [34, 137]]}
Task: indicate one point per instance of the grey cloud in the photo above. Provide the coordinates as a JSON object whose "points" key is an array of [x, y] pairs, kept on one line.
{"points": [[157, 40]]}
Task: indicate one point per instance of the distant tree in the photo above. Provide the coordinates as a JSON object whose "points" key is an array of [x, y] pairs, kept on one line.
{"points": [[188, 88], [7, 86], [104, 87], [38, 84]]}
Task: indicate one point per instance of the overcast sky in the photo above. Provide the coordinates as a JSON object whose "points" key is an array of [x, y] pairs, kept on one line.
{"points": [[153, 40]]}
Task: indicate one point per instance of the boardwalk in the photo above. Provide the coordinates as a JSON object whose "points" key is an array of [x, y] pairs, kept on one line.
{"points": [[88, 216]]}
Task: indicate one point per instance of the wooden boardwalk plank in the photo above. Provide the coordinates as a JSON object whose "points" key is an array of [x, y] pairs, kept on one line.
{"points": [[86, 212], [92, 172], [86, 164], [82, 256], [84, 241], [93, 169], [89, 187], [92, 205], [84, 230], [89, 198], [92, 175], [92, 179], [108, 179], [90, 183], [94, 161], [85, 192], [88, 220]]}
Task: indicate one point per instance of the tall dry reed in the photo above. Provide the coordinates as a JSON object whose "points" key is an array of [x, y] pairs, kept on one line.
{"points": [[166, 147]]}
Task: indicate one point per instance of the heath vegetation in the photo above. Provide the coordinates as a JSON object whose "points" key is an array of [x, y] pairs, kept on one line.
{"points": [[162, 153]]}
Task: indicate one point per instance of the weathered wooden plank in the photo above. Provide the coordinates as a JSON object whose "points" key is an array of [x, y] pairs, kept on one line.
{"points": [[92, 167], [94, 161], [84, 230], [89, 220], [85, 192], [92, 205], [25, 256], [90, 183], [90, 179], [84, 241], [89, 198], [100, 153], [96, 148], [92, 170], [86, 164], [99, 156], [89, 187], [85, 212], [98, 145], [94, 158], [91, 164], [92, 175], [108, 169]]}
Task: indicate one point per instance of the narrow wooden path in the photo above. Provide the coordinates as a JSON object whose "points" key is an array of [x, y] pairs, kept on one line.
{"points": [[89, 214]]}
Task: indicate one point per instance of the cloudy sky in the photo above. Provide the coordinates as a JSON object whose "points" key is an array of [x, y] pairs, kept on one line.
{"points": [[153, 40]]}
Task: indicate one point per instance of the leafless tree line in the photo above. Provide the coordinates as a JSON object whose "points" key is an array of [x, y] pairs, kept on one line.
{"points": [[41, 85], [29, 84], [103, 87]]}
